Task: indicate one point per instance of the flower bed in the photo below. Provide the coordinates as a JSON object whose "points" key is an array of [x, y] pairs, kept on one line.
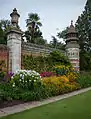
{"points": [[29, 85]]}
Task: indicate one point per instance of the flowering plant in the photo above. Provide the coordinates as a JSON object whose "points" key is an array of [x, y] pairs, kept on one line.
{"points": [[59, 84], [72, 76], [8, 76], [46, 74], [26, 79], [61, 70]]}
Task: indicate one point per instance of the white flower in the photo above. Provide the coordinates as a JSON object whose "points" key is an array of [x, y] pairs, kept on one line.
{"points": [[12, 77], [20, 79], [26, 81], [32, 76], [34, 80], [20, 75], [13, 85], [27, 73]]}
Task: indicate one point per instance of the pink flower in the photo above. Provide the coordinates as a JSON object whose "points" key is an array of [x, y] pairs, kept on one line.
{"points": [[46, 74]]}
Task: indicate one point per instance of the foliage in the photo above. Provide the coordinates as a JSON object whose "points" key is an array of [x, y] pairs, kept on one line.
{"points": [[44, 63], [7, 92], [54, 42], [59, 84], [68, 71], [84, 81], [72, 76], [24, 85], [85, 61], [33, 34], [35, 63], [2, 69], [2, 36], [38, 93], [26, 79], [83, 26], [7, 76], [56, 57], [62, 70], [2, 74], [4, 26], [33, 20], [62, 34], [28, 85]]}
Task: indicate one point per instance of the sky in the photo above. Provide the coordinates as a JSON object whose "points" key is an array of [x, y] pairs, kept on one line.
{"points": [[55, 15]]}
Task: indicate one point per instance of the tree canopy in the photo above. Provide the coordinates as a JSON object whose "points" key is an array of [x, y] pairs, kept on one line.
{"points": [[33, 33], [4, 26]]}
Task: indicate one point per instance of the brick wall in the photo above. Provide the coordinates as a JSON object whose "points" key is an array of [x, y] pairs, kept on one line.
{"points": [[27, 49]]}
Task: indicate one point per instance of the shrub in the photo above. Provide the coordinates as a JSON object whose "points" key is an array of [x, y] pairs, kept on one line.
{"points": [[84, 81], [37, 94], [59, 84], [26, 79], [44, 63], [2, 74], [62, 69], [24, 85], [72, 76], [8, 76], [6, 92], [56, 58]]}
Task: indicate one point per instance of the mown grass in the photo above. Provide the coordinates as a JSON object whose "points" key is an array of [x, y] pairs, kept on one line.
{"points": [[76, 107]]}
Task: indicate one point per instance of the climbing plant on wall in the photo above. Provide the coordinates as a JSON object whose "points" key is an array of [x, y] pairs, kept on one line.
{"points": [[44, 63], [3, 67]]}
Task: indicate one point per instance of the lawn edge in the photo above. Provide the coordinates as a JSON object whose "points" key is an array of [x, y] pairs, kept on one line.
{"points": [[22, 107]]}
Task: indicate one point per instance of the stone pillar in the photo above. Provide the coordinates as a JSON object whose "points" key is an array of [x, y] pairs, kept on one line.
{"points": [[14, 43], [72, 46]]}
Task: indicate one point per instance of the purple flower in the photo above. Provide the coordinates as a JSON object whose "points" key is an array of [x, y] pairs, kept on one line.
{"points": [[10, 74]]}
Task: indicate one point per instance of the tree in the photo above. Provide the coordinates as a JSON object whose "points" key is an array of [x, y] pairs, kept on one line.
{"points": [[33, 23], [4, 26], [54, 42], [83, 26], [62, 34], [1, 36]]}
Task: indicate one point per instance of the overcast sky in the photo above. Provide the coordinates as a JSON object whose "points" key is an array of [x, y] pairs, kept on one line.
{"points": [[55, 15]]}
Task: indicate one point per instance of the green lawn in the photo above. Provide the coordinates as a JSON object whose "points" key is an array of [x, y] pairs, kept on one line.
{"points": [[77, 107]]}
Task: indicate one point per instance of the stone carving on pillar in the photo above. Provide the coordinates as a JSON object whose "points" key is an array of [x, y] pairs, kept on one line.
{"points": [[72, 46], [14, 35]]}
